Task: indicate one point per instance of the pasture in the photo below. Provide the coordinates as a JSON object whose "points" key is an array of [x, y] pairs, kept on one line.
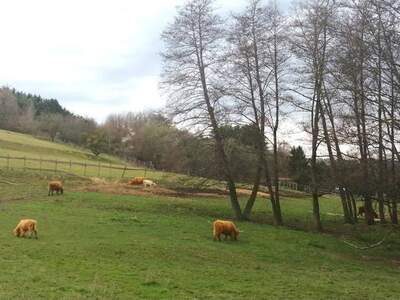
{"points": [[95, 245], [19, 144], [27, 152], [13, 144]]}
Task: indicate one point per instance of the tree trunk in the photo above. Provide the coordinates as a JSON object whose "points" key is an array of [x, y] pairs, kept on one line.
{"points": [[253, 196], [275, 132], [381, 179], [268, 183], [223, 160], [395, 184], [262, 145], [360, 118], [333, 168], [341, 176], [316, 213], [315, 114]]}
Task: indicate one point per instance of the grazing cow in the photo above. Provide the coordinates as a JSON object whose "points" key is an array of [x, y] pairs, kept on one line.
{"points": [[136, 181], [24, 226], [227, 228], [56, 186], [361, 212], [148, 183]]}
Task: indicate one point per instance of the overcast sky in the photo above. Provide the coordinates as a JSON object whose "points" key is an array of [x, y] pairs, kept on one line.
{"points": [[95, 57]]}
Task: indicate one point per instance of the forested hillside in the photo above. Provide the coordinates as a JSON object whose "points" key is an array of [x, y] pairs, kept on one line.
{"points": [[39, 104], [35, 115]]}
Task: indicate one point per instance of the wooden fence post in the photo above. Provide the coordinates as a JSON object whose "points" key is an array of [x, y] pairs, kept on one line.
{"points": [[84, 171], [123, 173]]}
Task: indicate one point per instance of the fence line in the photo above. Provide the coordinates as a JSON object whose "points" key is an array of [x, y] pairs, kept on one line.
{"points": [[72, 167], [88, 169]]}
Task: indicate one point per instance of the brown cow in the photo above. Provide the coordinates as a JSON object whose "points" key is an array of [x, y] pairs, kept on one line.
{"points": [[227, 228], [361, 212], [136, 181], [56, 186], [24, 226]]}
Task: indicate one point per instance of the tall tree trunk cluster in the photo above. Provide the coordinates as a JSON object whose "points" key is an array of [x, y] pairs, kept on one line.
{"points": [[338, 61]]}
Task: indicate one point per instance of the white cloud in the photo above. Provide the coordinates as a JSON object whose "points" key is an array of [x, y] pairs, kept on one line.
{"points": [[91, 55], [94, 56], [135, 94]]}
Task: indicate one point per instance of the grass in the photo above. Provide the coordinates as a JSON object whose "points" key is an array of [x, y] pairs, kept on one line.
{"points": [[102, 246], [20, 145]]}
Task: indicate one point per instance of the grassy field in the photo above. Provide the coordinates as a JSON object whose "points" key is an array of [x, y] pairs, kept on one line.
{"points": [[105, 246], [21, 145], [18, 145]]}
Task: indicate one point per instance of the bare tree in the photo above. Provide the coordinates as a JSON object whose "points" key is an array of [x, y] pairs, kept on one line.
{"points": [[345, 80], [9, 111], [192, 43], [309, 43], [389, 25], [255, 61]]}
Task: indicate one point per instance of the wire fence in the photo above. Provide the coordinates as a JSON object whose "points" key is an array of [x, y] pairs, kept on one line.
{"points": [[100, 169], [86, 169]]}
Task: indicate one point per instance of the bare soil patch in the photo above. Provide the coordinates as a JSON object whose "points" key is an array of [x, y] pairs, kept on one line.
{"points": [[122, 188]]}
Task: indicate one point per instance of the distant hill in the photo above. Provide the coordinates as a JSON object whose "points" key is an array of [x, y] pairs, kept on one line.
{"points": [[32, 114]]}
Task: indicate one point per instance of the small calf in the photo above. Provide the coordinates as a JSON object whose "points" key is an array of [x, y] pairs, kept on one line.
{"points": [[26, 226], [56, 186], [227, 228], [148, 183]]}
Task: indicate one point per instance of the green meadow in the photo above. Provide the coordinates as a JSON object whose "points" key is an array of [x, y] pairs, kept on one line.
{"points": [[108, 246], [61, 160], [24, 152]]}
